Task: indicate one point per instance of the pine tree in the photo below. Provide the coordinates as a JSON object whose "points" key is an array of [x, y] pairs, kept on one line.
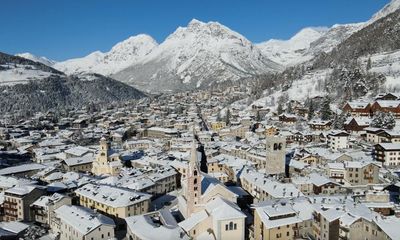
{"points": [[219, 117], [289, 108], [368, 67], [311, 110], [326, 112], [339, 120], [258, 117], [383, 120], [228, 117], [279, 109]]}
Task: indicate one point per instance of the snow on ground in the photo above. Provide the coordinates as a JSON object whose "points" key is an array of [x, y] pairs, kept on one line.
{"points": [[21, 74], [393, 84], [306, 87], [388, 64], [397, 126]]}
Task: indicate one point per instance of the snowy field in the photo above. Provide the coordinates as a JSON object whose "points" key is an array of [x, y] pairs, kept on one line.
{"points": [[389, 65], [21, 74]]}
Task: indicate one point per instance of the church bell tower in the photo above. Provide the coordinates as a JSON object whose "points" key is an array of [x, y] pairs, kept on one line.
{"points": [[275, 155], [193, 181]]}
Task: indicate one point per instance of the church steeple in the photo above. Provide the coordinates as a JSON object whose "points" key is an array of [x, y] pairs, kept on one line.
{"points": [[193, 180], [104, 163]]}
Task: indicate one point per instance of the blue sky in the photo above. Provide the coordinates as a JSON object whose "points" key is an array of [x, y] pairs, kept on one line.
{"points": [[62, 29]]}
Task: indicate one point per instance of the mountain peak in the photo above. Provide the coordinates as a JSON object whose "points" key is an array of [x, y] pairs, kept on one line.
{"points": [[309, 32], [138, 38], [195, 22], [35, 58], [133, 42], [386, 10], [121, 55]]}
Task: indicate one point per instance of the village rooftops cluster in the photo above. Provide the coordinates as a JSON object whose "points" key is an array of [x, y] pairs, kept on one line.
{"points": [[201, 165]]}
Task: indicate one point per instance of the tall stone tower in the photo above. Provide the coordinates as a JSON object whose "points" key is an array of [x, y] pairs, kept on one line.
{"points": [[106, 162], [276, 154], [193, 181]]}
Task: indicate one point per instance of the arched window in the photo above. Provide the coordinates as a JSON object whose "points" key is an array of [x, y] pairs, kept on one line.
{"points": [[231, 226], [280, 146], [195, 181], [195, 172], [275, 146]]}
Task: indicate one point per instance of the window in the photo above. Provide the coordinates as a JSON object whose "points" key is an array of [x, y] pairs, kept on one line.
{"points": [[275, 146], [231, 226], [195, 172]]}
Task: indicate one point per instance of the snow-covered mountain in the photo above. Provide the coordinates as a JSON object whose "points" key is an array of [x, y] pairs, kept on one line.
{"points": [[307, 43], [386, 10], [340, 32], [333, 37], [195, 56], [122, 55], [19, 70], [35, 58], [312, 41], [30, 86], [292, 51], [203, 53]]}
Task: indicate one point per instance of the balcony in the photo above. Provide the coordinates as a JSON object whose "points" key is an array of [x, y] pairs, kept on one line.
{"points": [[11, 214]]}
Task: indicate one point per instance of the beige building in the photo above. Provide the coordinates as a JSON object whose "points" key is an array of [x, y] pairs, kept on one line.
{"points": [[17, 201], [43, 208], [283, 220], [113, 201], [79, 223], [263, 188], [107, 162], [219, 219], [79, 164], [218, 125], [361, 173], [388, 154], [271, 131], [138, 144], [157, 182], [208, 206], [158, 132]]}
